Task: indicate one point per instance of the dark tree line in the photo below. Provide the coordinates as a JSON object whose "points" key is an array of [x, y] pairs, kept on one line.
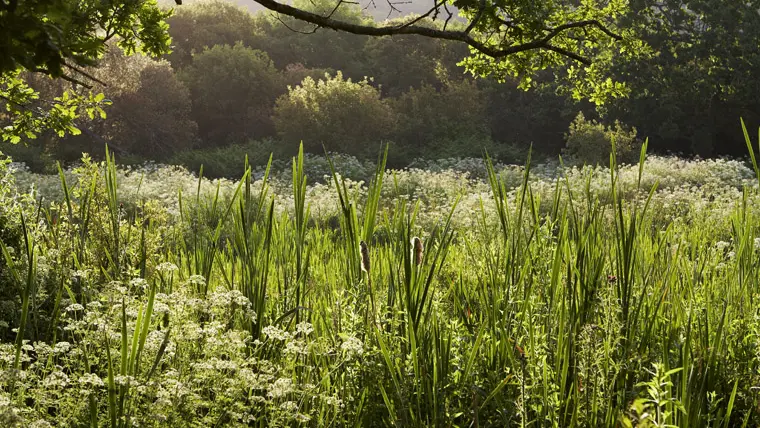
{"points": [[265, 82]]}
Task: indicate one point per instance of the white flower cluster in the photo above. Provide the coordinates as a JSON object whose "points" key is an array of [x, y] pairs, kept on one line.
{"points": [[352, 347], [275, 333], [166, 267]]}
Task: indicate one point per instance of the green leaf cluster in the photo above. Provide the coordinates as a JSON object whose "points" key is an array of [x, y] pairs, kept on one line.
{"points": [[59, 38]]}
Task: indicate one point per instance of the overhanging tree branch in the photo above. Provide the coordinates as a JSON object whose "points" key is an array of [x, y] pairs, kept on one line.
{"points": [[460, 36], [478, 15], [433, 11]]}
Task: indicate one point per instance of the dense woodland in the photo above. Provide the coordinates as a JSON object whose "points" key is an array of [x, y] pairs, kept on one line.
{"points": [[239, 83]]}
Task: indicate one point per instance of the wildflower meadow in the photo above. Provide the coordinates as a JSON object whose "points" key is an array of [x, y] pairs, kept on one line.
{"points": [[331, 292]]}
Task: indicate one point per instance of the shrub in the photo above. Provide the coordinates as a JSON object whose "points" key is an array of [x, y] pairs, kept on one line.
{"points": [[32, 155], [402, 62], [233, 89], [149, 115], [226, 161], [446, 123], [197, 26], [536, 118], [342, 115], [294, 74], [590, 142], [154, 121]]}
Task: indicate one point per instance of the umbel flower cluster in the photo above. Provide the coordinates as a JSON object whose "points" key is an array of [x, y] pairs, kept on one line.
{"points": [[459, 293]]}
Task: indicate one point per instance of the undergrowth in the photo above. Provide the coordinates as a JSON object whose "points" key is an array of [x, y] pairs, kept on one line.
{"points": [[508, 296]]}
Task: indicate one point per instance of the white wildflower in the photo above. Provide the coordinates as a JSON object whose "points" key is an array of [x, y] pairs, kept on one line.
{"points": [[196, 280], [123, 380], [56, 379], [300, 417], [275, 333], [280, 388], [139, 283], [294, 347], [61, 347], [722, 245], [304, 328], [352, 347], [116, 287], [81, 274], [42, 349], [91, 379], [167, 267], [289, 406], [74, 307]]}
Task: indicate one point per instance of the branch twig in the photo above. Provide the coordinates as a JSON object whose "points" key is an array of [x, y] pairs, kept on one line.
{"points": [[460, 36], [478, 15], [314, 30], [85, 74]]}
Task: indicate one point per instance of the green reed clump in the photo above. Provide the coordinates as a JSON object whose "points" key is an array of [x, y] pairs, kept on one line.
{"points": [[534, 297]]}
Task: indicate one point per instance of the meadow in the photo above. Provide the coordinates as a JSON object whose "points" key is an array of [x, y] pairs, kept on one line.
{"points": [[327, 291]]}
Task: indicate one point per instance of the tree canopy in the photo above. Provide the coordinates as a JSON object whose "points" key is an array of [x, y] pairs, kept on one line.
{"points": [[679, 71], [60, 38], [702, 79], [511, 38]]}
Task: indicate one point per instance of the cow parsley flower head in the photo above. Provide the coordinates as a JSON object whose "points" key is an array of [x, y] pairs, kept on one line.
{"points": [[76, 307], [196, 280], [166, 267], [280, 388], [80, 274], [275, 333], [352, 347], [91, 379], [61, 347], [304, 328], [140, 283]]}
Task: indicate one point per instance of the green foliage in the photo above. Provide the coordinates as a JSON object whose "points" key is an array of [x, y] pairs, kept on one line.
{"points": [[567, 297], [333, 112], [56, 38], [537, 118], [294, 74], [438, 124], [504, 24], [688, 97], [400, 63], [687, 66], [233, 89], [290, 41], [659, 407], [150, 117], [205, 24], [591, 142], [43, 36], [223, 161], [154, 121], [13, 205], [32, 156], [26, 119]]}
